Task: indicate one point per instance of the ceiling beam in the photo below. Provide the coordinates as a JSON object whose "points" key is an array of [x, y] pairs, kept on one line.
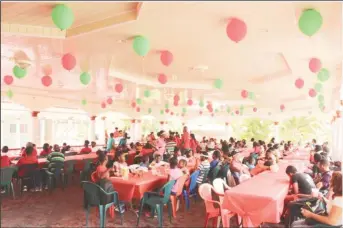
{"points": [[34, 31]]}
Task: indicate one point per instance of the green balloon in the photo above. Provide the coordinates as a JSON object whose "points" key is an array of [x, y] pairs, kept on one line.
{"points": [[232, 114], [201, 103], [84, 102], [166, 106], [323, 75], [251, 95], [141, 45], [228, 109], [62, 16], [216, 110], [9, 94], [184, 110], [19, 72], [147, 93], [161, 112], [318, 87], [321, 98], [218, 83], [310, 22], [85, 78], [149, 110], [241, 108], [139, 101]]}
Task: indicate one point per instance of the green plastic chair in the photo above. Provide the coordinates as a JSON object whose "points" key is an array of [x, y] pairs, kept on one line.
{"points": [[56, 173], [95, 196], [68, 170], [156, 201], [85, 173], [6, 179]]}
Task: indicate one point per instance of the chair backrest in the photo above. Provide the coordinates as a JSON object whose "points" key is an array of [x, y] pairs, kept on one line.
{"points": [[218, 185], [193, 181], [6, 175], [91, 194], [56, 168], [69, 166], [94, 177], [180, 182], [87, 164], [28, 169], [167, 188], [205, 192]]}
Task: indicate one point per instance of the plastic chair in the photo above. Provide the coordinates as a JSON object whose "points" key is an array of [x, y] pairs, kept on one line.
{"points": [[191, 192], [156, 201], [31, 175], [84, 174], [212, 212], [54, 174], [69, 170], [219, 187], [95, 196], [173, 198], [6, 179]]}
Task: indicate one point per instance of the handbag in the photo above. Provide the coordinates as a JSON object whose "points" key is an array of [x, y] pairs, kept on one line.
{"points": [[320, 210]]}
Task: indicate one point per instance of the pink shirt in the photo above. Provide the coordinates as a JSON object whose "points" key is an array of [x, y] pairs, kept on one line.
{"points": [[185, 140], [175, 174], [161, 146]]}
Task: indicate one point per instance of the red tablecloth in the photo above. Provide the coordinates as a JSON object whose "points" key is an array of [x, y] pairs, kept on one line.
{"points": [[135, 187], [260, 199], [300, 155]]}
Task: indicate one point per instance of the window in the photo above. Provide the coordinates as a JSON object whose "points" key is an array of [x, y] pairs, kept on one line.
{"points": [[13, 128], [23, 128]]}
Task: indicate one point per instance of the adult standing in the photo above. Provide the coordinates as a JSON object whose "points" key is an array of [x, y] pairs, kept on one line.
{"points": [[110, 144], [193, 143], [185, 140], [160, 143]]}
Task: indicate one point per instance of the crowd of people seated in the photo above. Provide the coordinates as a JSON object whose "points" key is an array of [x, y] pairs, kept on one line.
{"points": [[183, 154]]}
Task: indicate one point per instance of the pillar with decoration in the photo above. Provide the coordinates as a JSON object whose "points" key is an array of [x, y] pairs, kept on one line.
{"points": [[132, 130], [35, 134], [138, 131], [91, 135], [48, 135], [104, 137]]}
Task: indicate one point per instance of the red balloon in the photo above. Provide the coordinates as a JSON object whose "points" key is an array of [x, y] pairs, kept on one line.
{"points": [[176, 103], [312, 93], [282, 107], [299, 83], [236, 29], [109, 100], [68, 61], [172, 113], [212, 114], [47, 81], [226, 123], [244, 93], [315, 65], [138, 109], [8, 79], [118, 87], [176, 98], [237, 112], [255, 109], [103, 105], [133, 104], [166, 58], [162, 78], [190, 102], [167, 110], [47, 70], [200, 112]]}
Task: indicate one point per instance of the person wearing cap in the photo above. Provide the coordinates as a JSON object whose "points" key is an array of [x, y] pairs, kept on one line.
{"points": [[203, 167]]}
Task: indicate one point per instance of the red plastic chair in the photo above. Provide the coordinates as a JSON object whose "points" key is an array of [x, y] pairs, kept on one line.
{"points": [[179, 183], [205, 191]]}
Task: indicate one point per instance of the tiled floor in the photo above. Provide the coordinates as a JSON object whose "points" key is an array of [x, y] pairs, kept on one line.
{"points": [[65, 209]]}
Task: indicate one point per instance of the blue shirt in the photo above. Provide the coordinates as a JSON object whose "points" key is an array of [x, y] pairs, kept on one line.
{"points": [[109, 144], [213, 164]]}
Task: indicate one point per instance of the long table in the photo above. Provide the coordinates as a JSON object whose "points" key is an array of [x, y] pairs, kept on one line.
{"points": [[135, 187], [261, 198]]}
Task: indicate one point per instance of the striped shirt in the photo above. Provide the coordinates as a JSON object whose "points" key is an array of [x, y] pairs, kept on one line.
{"points": [[170, 146], [203, 167], [55, 159]]}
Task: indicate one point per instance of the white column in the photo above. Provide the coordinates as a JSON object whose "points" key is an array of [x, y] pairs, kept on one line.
{"points": [[35, 135], [276, 132], [48, 136], [91, 135], [132, 130], [138, 131], [103, 129], [18, 135]]}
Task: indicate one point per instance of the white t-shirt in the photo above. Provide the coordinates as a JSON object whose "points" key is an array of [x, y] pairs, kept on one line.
{"points": [[338, 202]]}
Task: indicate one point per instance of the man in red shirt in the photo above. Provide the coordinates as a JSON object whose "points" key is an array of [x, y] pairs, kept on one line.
{"points": [[5, 161], [86, 149], [29, 158], [185, 140]]}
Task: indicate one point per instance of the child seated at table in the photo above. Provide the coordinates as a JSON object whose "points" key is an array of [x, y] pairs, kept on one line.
{"points": [[86, 149], [251, 162], [157, 162], [204, 167], [183, 166], [119, 164], [145, 161], [5, 161], [174, 172]]}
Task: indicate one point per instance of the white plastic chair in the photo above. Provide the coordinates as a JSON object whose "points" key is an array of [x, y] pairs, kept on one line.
{"points": [[220, 186]]}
